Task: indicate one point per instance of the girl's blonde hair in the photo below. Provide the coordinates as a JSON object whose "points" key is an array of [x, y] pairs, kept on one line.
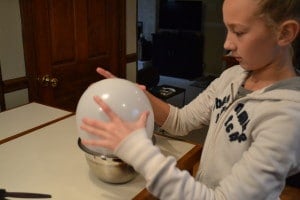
{"points": [[277, 11]]}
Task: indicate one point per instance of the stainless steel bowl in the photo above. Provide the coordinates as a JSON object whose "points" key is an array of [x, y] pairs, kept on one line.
{"points": [[111, 170], [108, 168]]}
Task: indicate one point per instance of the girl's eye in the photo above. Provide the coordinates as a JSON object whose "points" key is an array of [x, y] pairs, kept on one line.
{"points": [[238, 33]]}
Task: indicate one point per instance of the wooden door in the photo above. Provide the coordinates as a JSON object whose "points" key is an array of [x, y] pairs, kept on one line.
{"points": [[64, 42]]}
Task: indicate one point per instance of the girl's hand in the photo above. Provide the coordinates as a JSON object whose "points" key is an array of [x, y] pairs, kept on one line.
{"points": [[105, 73], [113, 132]]}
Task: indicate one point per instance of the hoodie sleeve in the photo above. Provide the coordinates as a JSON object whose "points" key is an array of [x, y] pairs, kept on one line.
{"points": [[197, 113], [163, 179], [193, 116], [260, 174]]}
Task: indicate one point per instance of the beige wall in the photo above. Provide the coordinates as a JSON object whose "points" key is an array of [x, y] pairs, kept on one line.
{"points": [[131, 37], [11, 46], [11, 50]]}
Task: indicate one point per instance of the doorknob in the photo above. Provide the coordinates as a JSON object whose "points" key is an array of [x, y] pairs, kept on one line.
{"points": [[48, 81]]}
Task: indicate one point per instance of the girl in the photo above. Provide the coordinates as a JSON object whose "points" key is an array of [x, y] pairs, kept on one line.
{"points": [[252, 109]]}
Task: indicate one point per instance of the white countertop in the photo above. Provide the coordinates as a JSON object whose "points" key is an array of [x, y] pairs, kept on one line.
{"points": [[26, 117], [49, 161]]}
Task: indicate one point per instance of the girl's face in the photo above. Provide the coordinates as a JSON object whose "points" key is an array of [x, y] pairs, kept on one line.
{"points": [[249, 39]]}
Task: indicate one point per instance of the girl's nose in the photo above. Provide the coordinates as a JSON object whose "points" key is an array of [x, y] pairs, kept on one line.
{"points": [[228, 44]]}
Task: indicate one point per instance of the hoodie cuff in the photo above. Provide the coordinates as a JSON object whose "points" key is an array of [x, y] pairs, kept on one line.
{"points": [[138, 150]]}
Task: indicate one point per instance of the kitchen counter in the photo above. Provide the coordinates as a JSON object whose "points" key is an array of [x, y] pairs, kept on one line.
{"points": [[21, 120], [49, 161]]}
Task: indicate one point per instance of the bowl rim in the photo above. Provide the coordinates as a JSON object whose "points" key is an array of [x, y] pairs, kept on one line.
{"points": [[93, 153]]}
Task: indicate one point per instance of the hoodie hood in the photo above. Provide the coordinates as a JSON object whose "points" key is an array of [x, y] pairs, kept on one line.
{"points": [[283, 90], [288, 89]]}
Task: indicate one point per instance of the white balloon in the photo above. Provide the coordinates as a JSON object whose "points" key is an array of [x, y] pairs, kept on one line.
{"points": [[122, 96]]}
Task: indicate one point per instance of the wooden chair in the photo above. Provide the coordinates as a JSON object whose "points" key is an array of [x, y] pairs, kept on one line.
{"points": [[189, 162], [290, 193], [292, 188]]}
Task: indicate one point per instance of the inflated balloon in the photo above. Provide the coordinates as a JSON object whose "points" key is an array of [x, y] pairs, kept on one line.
{"points": [[125, 98]]}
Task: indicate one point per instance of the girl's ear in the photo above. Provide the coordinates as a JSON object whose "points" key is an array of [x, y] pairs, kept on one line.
{"points": [[288, 31]]}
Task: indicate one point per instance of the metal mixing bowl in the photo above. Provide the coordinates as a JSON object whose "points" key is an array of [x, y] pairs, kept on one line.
{"points": [[111, 170], [108, 168]]}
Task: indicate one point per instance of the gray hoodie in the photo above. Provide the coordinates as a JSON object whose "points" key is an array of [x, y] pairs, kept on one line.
{"points": [[251, 147]]}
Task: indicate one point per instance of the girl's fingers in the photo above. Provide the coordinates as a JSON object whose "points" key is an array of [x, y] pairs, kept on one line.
{"points": [[90, 142], [95, 123], [143, 118], [102, 143], [105, 73], [111, 114], [142, 87], [94, 130], [110, 133]]}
